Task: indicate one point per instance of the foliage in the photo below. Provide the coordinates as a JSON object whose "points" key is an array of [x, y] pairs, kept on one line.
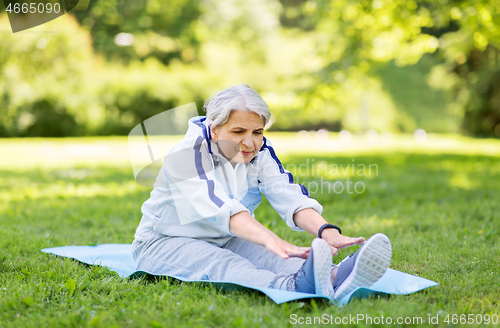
{"points": [[160, 29], [53, 85], [319, 64], [175, 29], [44, 81], [360, 35], [474, 83]]}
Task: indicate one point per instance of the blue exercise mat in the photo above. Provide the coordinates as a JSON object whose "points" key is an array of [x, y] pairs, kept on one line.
{"points": [[118, 258]]}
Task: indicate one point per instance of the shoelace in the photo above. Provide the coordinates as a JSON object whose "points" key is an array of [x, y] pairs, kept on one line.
{"points": [[291, 280], [301, 274]]}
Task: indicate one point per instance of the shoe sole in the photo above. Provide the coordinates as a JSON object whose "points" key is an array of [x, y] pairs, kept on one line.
{"points": [[372, 262], [322, 268]]}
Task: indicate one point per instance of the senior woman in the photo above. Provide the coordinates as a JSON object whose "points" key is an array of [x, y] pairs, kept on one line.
{"points": [[199, 224]]}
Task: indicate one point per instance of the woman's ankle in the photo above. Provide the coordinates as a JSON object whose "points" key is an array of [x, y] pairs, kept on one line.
{"points": [[334, 273]]}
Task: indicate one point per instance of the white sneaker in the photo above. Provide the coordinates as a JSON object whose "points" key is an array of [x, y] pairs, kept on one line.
{"points": [[364, 268], [315, 274]]}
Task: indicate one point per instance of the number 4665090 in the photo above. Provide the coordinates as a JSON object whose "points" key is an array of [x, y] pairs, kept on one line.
{"points": [[471, 319], [33, 8]]}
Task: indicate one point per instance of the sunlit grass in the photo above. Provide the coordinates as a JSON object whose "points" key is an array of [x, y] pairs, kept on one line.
{"points": [[436, 200]]}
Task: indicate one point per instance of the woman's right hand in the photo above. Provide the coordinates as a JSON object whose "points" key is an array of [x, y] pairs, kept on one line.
{"points": [[245, 226], [285, 249]]}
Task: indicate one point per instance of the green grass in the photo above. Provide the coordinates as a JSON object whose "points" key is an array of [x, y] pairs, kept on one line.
{"points": [[438, 204]]}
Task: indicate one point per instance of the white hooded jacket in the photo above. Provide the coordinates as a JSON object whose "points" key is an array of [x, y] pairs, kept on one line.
{"points": [[197, 190]]}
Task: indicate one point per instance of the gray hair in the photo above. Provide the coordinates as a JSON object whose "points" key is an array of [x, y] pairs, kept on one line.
{"points": [[238, 97]]}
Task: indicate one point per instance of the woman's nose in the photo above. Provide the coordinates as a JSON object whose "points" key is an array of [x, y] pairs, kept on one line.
{"points": [[247, 140]]}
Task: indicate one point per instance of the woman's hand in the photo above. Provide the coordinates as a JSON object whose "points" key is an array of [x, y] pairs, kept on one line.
{"points": [[310, 221], [336, 240], [245, 226], [284, 249]]}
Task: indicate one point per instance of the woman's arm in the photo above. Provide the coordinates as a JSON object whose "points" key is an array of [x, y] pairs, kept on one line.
{"points": [[310, 221], [245, 226]]}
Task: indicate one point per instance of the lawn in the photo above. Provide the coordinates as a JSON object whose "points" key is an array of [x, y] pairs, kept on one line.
{"points": [[438, 201]]}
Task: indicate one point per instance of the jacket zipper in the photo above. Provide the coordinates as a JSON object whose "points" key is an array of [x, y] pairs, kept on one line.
{"points": [[227, 181]]}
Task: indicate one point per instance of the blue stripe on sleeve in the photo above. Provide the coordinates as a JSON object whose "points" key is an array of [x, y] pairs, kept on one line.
{"points": [[276, 159], [304, 190], [201, 172]]}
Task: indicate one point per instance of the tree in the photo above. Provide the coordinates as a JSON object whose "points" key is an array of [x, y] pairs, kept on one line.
{"points": [[359, 35], [159, 29], [43, 89]]}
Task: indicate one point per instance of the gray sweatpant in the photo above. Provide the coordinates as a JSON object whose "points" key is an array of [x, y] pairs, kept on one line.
{"points": [[238, 261]]}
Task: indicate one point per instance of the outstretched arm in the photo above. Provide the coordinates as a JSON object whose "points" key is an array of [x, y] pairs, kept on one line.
{"points": [[310, 221], [245, 226]]}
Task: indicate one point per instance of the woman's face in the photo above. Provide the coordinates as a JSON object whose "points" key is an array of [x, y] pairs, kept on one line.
{"points": [[240, 138]]}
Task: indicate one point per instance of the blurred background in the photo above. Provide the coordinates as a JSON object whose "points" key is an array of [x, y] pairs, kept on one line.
{"points": [[408, 89], [392, 66]]}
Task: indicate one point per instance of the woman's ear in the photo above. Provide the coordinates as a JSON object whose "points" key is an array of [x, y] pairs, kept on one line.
{"points": [[213, 131]]}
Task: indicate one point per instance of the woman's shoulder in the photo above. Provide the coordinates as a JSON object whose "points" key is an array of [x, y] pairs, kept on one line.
{"points": [[266, 153], [267, 147], [196, 133]]}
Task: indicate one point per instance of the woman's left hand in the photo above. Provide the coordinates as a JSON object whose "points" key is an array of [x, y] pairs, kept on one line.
{"points": [[336, 240]]}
